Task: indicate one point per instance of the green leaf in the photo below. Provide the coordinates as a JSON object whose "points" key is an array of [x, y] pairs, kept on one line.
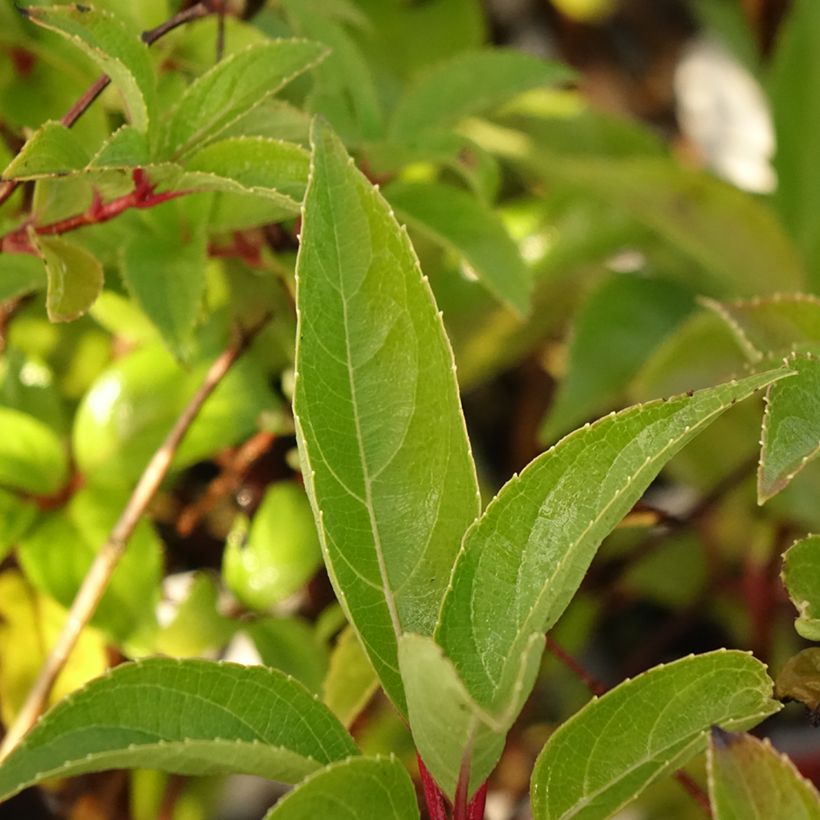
{"points": [[350, 681], [52, 150], [748, 778], [385, 454], [163, 266], [16, 517], [281, 553], [188, 717], [75, 277], [597, 761], [615, 331], [801, 575], [115, 48], [364, 788], [32, 457], [780, 324], [125, 148], [796, 111], [20, 273], [791, 427], [471, 83], [461, 223], [524, 559], [81, 528], [132, 405], [233, 87]]}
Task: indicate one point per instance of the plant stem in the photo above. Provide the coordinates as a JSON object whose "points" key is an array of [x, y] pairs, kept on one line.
{"points": [[596, 687], [99, 574], [433, 798], [195, 12]]}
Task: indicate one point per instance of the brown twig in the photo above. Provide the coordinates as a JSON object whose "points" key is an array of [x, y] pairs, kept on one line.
{"points": [[596, 687], [99, 85], [99, 574]]}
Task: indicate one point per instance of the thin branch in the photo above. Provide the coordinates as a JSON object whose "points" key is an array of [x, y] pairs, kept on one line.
{"points": [[99, 85], [99, 574], [596, 687]]}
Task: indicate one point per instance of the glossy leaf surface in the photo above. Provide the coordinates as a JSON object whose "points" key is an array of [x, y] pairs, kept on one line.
{"points": [[608, 752], [189, 717], [382, 438]]}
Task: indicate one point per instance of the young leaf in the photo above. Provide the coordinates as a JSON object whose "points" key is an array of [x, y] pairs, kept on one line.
{"points": [[617, 328], [118, 52], [281, 553], [523, 560], [471, 83], [459, 222], [801, 575], [189, 717], [52, 150], [749, 779], [163, 266], [125, 148], [791, 427], [20, 273], [233, 87], [32, 457], [364, 788], [75, 277], [599, 760], [350, 681], [386, 458]]}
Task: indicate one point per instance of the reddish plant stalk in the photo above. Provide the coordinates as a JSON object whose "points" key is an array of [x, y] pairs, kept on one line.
{"points": [[433, 798]]}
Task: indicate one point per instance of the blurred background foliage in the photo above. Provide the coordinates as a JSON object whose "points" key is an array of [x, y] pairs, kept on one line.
{"points": [[588, 232]]}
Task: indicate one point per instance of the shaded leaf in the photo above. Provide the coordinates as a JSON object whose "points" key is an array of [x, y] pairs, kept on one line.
{"points": [[52, 150], [748, 778], [75, 277], [385, 454], [350, 681], [16, 517], [799, 679], [20, 273], [471, 83], [32, 457], [364, 788], [281, 552], [233, 87], [801, 575], [189, 717], [597, 762], [791, 427], [115, 48], [459, 222]]}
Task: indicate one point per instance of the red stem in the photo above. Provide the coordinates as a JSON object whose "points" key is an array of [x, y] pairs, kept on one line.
{"points": [[475, 811], [433, 797]]}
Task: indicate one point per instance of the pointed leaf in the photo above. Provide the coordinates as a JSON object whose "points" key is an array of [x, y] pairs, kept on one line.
{"points": [[801, 575], [75, 277], [32, 457], [522, 562], [779, 324], [791, 427], [364, 788], [599, 760], [52, 150], [750, 779], [350, 681], [125, 148], [188, 717], [461, 223], [233, 87], [386, 458], [118, 52], [471, 83]]}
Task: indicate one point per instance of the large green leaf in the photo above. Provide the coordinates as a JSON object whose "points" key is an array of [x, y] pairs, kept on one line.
{"points": [[750, 780], [52, 150], [614, 747], [791, 427], [32, 457], [801, 575], [361, 788], [459, 222], [115, 48], [471, 83], [190, 717], [386, 458], [796, 110], [233, 87], [75, 277]]}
